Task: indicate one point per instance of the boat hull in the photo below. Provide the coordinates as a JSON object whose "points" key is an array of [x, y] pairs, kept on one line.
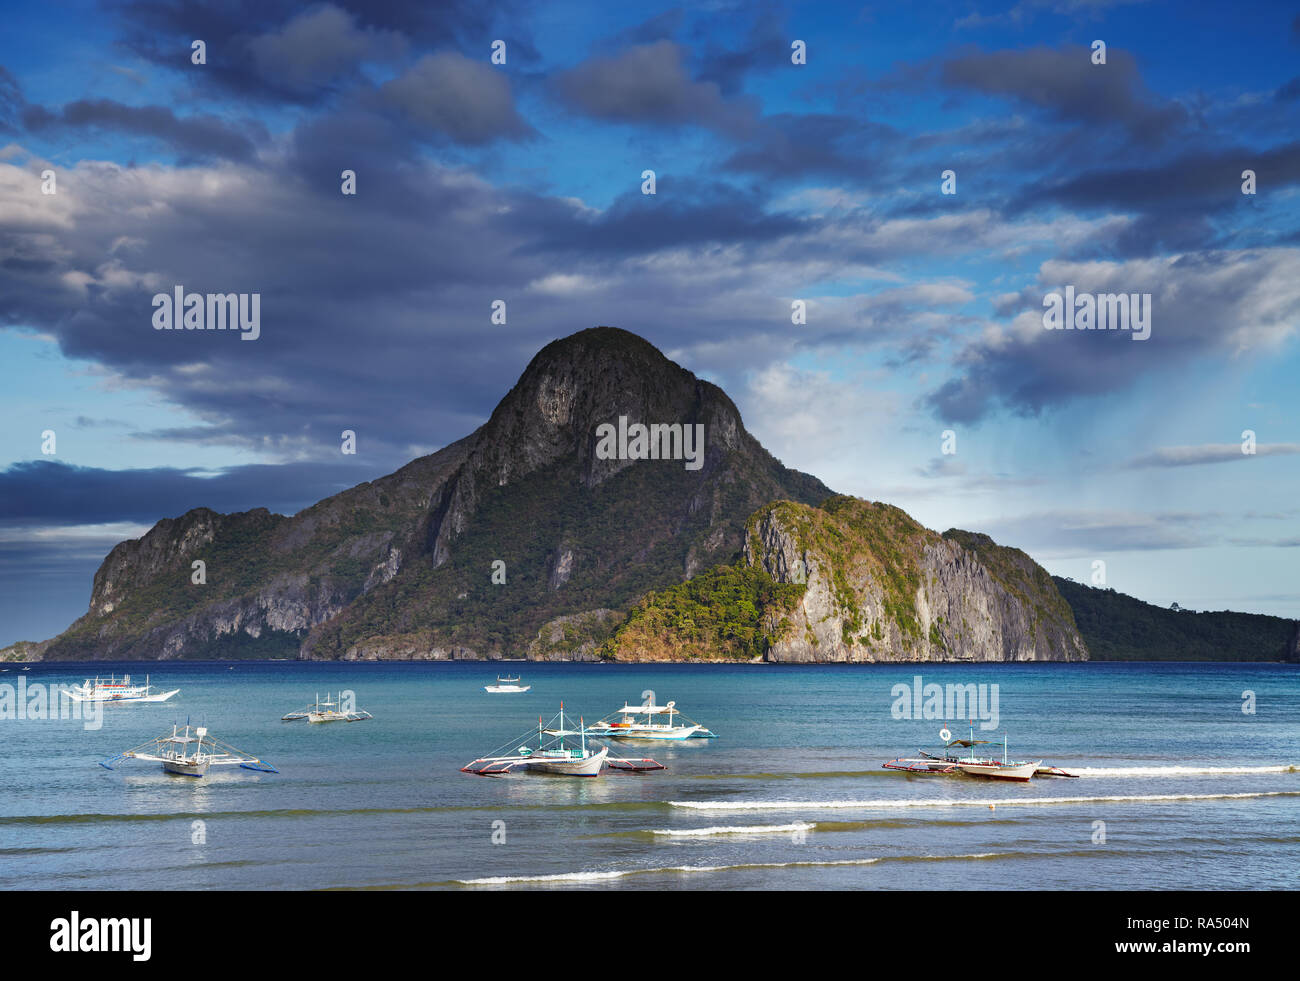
{"points": [[81, 696], [589, 767], [642, 732], [1021, 772], [506, 689], [186, 768]]}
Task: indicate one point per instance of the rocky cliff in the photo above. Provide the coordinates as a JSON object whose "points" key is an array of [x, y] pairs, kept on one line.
{"points": [[853, 580]]}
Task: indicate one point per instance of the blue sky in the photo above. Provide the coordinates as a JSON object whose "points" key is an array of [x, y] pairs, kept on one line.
{"points": [[776, 182]]}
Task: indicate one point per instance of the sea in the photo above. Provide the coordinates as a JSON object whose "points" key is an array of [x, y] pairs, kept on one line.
{"points": [[1189, 778]]}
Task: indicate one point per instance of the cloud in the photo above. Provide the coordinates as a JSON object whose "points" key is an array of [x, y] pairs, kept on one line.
{"points": [[45, 497], [462, 99], [1199, 182], [1091, 532], [788, 145], [1065, 85], [194, 137], [1230, 303], [319, 47], [649, 84], [1187, 456], [274, 51]]}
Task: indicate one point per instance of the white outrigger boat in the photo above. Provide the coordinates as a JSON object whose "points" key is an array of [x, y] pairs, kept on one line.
{"points": [[327, 711], [113, 690], [552, 755], [506, 686], [640, 722], [189, 755], [975, 766]]}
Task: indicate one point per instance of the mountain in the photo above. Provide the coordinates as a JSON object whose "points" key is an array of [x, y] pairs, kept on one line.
{"points": [[853, 580], [403, 566], [612, 506], [1122, 628]]}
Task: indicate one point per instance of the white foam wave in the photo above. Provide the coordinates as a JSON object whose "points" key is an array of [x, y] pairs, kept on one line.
{"points": [[754, 829], [828, 805], [618, 874], [1176, 771]]}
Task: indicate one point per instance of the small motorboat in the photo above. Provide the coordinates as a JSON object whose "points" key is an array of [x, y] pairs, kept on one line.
{"points": [[506, 686]]}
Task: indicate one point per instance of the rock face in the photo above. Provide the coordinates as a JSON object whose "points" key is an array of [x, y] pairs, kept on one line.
{"points": [[268, 579], [880, 587], [404, 567], [1293, 646], [570, 529]]}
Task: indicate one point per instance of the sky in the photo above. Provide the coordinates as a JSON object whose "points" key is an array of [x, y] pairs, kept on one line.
{"points": [[799, 153]]}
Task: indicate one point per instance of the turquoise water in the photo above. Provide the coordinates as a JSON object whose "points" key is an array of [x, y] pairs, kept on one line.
{"points": [[1192, 792]]}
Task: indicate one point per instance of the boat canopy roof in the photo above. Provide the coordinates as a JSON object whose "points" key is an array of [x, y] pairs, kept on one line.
{"points": [[968, 742], [645, 709]]}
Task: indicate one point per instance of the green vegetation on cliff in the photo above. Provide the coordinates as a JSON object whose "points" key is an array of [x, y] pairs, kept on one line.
{"points": [[1117, 627], [725, 613]]}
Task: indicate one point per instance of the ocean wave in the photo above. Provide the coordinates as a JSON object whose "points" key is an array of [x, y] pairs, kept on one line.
{"points": [[594, 876], [754, 829], [827, 805], [1177, 770]]}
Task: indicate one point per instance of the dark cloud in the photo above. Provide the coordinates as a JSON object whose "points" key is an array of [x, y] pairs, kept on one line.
{"points": [[11, 101], [681, 213], [194, 137], [462, 99], [766, 45], [650, 84], [241, 34], [1065, 85], [319, 47], [1201, 181], [49, 493], [792, 146]]}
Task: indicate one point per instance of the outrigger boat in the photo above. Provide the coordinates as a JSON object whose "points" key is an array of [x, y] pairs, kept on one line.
{"points": [[189, 755], [505, 686], [113, 690], [552, 755], [326, 711], [972, 765], [639, 722]]}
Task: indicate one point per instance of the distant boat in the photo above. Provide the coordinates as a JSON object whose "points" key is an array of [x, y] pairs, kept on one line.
{"points": [[641, 722], [326, 711], [552, 755], [189, 755], [505, 686], [113, 690]]}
